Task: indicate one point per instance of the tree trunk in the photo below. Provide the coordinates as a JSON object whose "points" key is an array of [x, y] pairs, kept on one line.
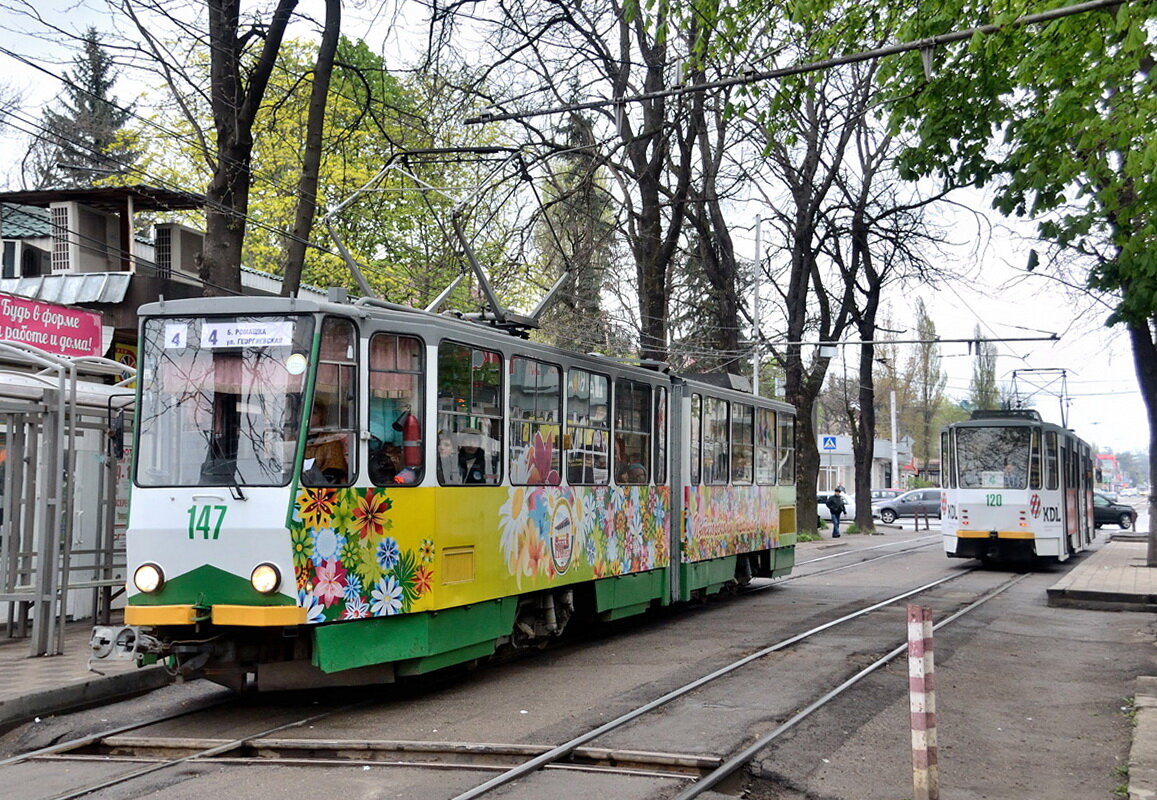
{"points": [[864, 445], [235, 98], [311, 158], [1145, 362]]}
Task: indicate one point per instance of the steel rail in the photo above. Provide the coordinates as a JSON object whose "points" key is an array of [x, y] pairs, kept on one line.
{"points": [[222, 748], [743, 756], [923, 540], [85, 741], [418, 754], [566, 748]]}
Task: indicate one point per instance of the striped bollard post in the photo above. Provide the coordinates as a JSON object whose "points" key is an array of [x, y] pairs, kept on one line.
{"points": [[922, 705]]}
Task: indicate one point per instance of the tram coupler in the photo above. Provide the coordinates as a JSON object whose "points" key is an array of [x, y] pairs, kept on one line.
{"points": [[120, 643]]}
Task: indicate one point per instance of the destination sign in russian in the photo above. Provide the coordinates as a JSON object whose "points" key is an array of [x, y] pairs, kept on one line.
{"points": [[246, 334]]}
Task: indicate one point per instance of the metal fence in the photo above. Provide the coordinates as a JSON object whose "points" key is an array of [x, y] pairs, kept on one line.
{"points": [[61, 542]]}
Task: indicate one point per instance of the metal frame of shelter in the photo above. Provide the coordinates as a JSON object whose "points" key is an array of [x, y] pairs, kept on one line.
{"points": [[44, 407]]}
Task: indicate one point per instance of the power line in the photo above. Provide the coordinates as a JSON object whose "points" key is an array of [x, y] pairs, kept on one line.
{"points": [[757, 76]]}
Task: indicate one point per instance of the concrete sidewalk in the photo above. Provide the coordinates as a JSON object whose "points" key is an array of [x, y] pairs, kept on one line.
{"points": [[1114, 577], [38, 686]]}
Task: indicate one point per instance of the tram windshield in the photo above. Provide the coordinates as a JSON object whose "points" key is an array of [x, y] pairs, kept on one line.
{"points": [[221, 400], [993, 458]]}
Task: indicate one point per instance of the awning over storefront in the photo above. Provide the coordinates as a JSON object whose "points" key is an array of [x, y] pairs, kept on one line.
{"points": [[72, 288]]}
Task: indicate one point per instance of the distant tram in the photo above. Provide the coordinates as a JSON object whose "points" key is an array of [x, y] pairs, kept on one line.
{"points": [[335, 493], [1015, 488]]}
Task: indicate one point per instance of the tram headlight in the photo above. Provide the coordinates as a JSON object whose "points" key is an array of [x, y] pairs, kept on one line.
{"points": [[148, 578], [265, 578]]}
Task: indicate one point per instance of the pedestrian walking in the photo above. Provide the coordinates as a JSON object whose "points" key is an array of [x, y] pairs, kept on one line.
{"points": [[837, 506]]}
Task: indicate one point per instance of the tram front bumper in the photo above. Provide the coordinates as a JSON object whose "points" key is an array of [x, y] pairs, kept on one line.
{"points": [[244, 616]]}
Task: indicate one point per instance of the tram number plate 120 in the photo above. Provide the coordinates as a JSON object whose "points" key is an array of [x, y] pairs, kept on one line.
{"points": [[994, 500], [206, 520]]}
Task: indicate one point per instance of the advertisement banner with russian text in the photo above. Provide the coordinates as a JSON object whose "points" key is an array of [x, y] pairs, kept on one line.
{"points": [[60, 330]]}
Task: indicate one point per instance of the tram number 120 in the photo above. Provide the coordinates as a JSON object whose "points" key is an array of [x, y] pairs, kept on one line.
{"points": [[201, 521], [994, 500]]}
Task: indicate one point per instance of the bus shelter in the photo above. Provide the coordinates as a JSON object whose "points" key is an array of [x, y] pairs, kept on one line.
{"points": [[63, 471]]}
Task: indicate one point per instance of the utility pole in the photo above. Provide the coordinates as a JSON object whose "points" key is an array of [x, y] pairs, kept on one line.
{"points": [[755, 308], [895, 451]]}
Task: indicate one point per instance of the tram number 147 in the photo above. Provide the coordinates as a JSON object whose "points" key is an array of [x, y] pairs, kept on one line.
{"points": [[201, 520], [994, 499]]}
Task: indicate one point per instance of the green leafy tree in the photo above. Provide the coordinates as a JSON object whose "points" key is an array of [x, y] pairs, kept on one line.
{"points": [[983, 392], [1058, 120], [79, 144], [928, 380]]}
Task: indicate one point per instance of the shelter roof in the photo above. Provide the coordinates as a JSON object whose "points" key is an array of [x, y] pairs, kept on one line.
{"points": [[110, 198]]}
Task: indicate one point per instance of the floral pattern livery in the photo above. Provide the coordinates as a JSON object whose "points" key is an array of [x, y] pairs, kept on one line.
{"points": [[348, 563], [592, 531], [726, 520]]}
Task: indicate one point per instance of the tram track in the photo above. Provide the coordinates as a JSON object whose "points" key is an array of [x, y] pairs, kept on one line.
{"points": [[310, 752], [735, 762]]}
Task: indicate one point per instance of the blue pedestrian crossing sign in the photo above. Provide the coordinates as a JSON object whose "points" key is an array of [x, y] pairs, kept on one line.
{"points": [[829, 443]]}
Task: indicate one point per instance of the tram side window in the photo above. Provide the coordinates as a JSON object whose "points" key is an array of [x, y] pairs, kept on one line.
{"points": [[1034, 461], [696, 438], [588, 419], [535, 422], [742, 443], [396, 410], [786, 474], [716, 444], [947, 461], [633, 418], [1052, 468], [329, 450], [469, 415], [765, 456], [660, 435]]}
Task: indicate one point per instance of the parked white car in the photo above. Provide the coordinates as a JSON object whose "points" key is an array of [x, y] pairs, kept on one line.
{"points": [[822, 508]]}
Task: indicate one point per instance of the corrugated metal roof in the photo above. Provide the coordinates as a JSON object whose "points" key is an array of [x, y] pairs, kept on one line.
{"points": [[93, 287], [24, 222]]}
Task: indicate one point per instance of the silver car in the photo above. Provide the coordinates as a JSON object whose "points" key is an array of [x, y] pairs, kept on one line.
{"points": [[918, 502]]}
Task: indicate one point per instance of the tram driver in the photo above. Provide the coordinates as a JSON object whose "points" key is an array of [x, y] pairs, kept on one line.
{"points": [[325, 463]]}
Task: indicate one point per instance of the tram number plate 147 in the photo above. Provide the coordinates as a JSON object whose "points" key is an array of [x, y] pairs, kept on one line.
{"points": [[206, 520], [994, 499]]}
